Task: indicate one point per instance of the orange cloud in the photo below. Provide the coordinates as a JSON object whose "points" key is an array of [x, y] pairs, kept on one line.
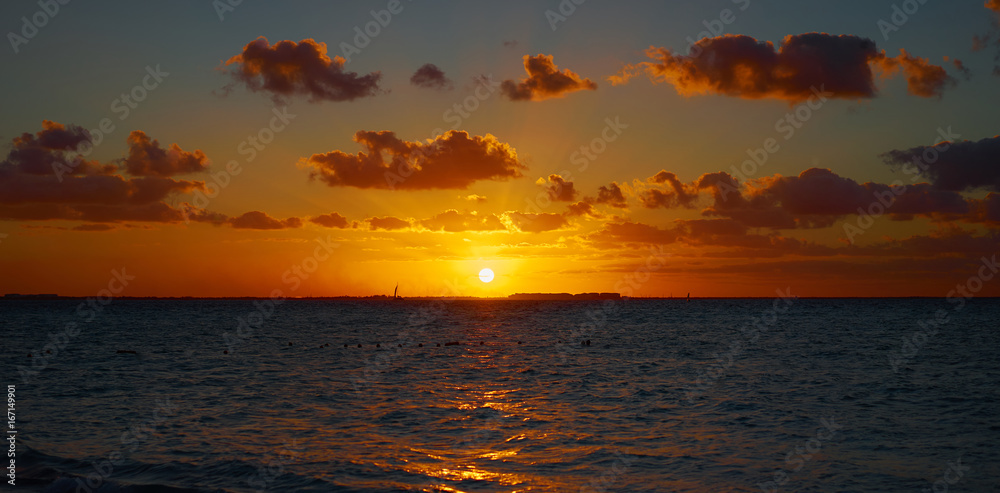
{"points": [[387, 223], [741, 66], [454, 160], [535, 223], [331, 220], [147, 158], [453, 221], [922, 78], [288, 68], [260, 220], [544, 81]]}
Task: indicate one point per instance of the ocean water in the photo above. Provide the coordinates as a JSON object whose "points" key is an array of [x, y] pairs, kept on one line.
{"points": [[821, 395]]}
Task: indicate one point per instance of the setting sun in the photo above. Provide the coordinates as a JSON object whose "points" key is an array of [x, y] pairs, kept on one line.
{"points": [[486, 275]]}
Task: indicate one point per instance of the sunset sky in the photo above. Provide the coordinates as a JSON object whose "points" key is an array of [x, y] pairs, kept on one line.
{"points": [[212, 150]]}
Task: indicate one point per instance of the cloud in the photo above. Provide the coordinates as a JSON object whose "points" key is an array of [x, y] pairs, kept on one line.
{"points": [[670, 193], [94, 227], [544, 81], [288, 69], [387, 223], [558, 188], [56, 148], [922, 78], [583, 208], [741, 66], [535, 223], [260, 220], [955, 166], [454, 160], [45, 177], [331, 220], [453, 221], [147, 158], [431, 77], [474, 198], [611, 195], [615, 235]]}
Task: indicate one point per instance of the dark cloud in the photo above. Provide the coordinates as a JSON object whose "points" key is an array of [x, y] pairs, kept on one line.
{"points": [[955, 166], [44, 177], [582, 208], [147, 158], [670, 193], [536, 223], [454, 160], [559, 189], [288, 69], [453, 221], [56, 149], [804, 64], [387, 223], [611, 195], [260, 220], [544, 81], [431, 77], [331, 220]]}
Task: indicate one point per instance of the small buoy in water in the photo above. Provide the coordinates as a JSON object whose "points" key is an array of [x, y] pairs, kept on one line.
{"points": [[588, 342], [225, 351], [48, 351], [481, 343], [289, 343], [519, 342], [418, 345], [359, 345], [399, 345], [29, 355], [439, 344], [378, 345], [345, 345]]}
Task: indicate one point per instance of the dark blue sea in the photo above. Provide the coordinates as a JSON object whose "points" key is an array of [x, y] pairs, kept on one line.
{"points": [[845, 395]]}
